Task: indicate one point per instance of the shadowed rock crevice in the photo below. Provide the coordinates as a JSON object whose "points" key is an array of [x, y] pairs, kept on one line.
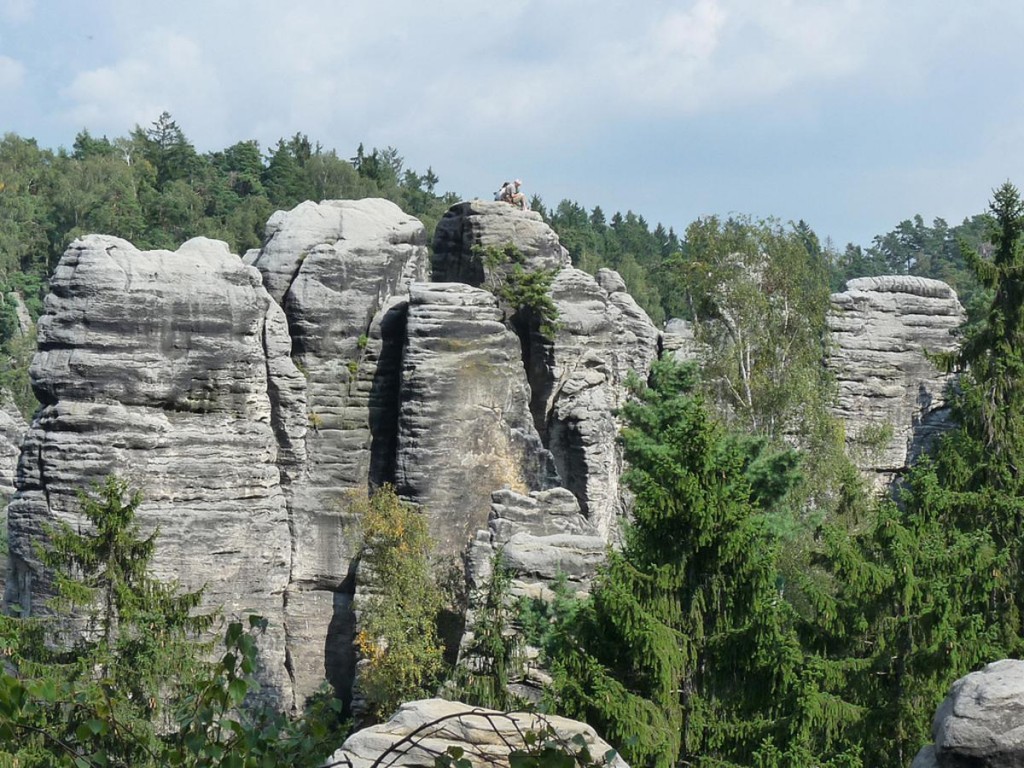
{"points": [[386, 352]]}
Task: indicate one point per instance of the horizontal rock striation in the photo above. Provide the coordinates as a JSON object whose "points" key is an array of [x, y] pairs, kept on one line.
{"points": [[159, 367], [891, 398], [12, 430], [579, 379]]}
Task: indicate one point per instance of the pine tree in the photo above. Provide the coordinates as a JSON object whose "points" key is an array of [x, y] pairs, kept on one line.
{"points": [[952, 550], [688, 649], [98, 673]]}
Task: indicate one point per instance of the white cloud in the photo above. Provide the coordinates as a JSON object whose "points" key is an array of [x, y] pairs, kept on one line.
{"points": [[12, 73], [166, 71], [17, 11]]}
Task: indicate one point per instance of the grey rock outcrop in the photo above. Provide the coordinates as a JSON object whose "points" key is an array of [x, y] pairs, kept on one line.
{"points": [[483, 223], [891, 397], [159, 367], [248, 398], [486, 736], [337, 268], [541, 539], [12, 430], [679, 340], [465, 427], [579, 381], [981, 722], [542, 536]]}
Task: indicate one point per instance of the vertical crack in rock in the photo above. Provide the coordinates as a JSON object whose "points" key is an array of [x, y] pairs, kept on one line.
{"points": [[575, 383], [386, 355], [465, 428]]}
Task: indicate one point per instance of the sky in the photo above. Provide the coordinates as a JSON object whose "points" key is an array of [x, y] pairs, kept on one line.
{"points": [[852, 115]]}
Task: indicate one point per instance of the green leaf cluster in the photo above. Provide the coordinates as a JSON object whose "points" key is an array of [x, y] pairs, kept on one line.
{"points": [[526, 291]]}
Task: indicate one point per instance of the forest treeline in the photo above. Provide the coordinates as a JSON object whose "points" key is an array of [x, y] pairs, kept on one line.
{"points": [[153, 188]]}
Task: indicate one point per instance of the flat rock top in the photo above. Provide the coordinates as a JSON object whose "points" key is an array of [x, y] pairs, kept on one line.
{"points": [[200, 254], [487, 736], [916, 286]]}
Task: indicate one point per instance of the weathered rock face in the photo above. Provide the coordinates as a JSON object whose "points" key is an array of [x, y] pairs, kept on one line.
{"points": [[159, 367], [576, 378], [12, 430], [679, 340], [578, 381], [891, 397], [246, 414], [465, 427], [482, 223], [981, 722], [486, 736], [541, 537], [336, 268]]}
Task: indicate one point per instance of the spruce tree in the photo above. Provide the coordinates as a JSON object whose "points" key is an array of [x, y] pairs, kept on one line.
{"points": [[688, 650], [952, 550], [99, 673]]}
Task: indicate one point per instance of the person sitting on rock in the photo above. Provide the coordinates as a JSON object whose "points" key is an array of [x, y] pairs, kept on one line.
{"points": [[510, 194]]}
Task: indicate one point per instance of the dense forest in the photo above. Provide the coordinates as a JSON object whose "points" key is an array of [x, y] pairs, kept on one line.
{"points": [[803, 622]]}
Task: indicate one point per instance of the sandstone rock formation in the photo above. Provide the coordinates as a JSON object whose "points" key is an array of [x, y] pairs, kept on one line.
{"points": [[891, 397], [579, 381], [680, 340], [577, 378], [248, 398], [482, 223], [159, 367], [541, 537], [421, 730], [12, 430], [981, 722]]}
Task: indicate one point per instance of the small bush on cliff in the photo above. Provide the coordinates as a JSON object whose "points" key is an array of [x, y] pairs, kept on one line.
{"points": [[403, 657], [527, 292]]}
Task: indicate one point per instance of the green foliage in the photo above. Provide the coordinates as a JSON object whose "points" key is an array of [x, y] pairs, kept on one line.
{"points": [[95, 679], [758, 297], [688, 649], [495, 656], [527, 292], [118, 678], [914, 248], [951, 556], [398, 637]]}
